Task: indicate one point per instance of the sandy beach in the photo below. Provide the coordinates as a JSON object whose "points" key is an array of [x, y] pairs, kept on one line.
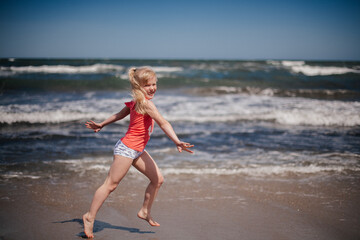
{"points": [[188, 207]]}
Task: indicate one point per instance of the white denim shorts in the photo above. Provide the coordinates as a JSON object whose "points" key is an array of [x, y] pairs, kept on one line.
{"points": [[122, 150]]}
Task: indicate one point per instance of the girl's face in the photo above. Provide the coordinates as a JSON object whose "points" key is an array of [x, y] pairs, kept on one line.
{"points": [[150, 88]]}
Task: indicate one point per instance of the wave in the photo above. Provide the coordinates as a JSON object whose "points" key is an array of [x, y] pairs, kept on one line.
{"points": [[88, 69], [254, 171], [291, 118], [63, 69], [19, 175], [259, 170], [164, 69], [43, 117], [306, 68], [310, 70], [161, 71], [255, 77], [292, 63], [248, 162], [60, 111], [224, 108], [316, 70], [287, 111], [102, 165], [340, 94]]}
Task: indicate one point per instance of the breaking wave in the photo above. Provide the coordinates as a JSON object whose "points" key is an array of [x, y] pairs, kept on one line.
{"points": [[340, 94], [311, 70], [224, 108], [63, 69]]}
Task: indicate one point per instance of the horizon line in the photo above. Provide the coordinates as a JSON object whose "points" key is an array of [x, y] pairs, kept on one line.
{"points": [[184, 59]]}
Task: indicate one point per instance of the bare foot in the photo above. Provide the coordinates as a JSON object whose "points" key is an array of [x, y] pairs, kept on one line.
{"points": [[147, 218], [88, 225]]}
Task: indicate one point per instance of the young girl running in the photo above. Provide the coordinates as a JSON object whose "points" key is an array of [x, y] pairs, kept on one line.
{"points": [[130, 149]]}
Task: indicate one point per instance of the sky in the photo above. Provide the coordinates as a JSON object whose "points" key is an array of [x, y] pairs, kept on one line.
{"points": [[213, 29]]}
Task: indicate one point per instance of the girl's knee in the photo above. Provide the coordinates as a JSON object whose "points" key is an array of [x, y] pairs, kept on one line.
{"points": [[159, 181], [110, 185]]}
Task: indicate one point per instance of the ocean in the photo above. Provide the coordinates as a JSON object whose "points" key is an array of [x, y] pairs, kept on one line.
{"points": [[277, 149], [252, 118]]}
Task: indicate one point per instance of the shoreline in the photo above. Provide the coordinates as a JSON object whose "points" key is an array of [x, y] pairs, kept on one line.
{"points": [[187, 207]]}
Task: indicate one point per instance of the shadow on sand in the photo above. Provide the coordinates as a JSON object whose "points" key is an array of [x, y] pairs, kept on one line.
{"points": [[99, 226]]}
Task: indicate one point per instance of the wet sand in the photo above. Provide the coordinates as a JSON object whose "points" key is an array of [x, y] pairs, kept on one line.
{"points": [[188, 207]]}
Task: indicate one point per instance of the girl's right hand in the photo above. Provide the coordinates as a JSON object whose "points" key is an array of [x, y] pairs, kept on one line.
{"points": [[94, 126]]}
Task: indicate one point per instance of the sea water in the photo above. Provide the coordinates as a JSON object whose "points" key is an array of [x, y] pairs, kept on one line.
{"points": [[252, 118]]}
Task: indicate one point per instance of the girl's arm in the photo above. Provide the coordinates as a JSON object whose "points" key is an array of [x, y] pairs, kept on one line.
{"points": [[116, 117], [166, 127]]}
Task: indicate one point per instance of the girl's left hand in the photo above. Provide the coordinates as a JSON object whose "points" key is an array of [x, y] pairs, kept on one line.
{"points": [[184, 146]]}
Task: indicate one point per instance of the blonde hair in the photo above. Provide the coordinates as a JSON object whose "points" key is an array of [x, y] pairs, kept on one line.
{"points": [[139, 77]]}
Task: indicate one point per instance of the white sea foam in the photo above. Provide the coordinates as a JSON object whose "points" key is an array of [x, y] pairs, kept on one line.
{"points": [[314, 93], [292, 63], [58, 112], [167, 69], [19, 175], [258, 163], [65, 69], [308, 70], [289, 111], [89, 69], [124, 76], [317, 70], [257, 170], [56, 116], [311, 70], [223, 108], [102, 165], [234, 90]]}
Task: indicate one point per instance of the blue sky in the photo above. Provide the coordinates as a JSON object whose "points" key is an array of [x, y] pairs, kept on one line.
{"points": [[218, 29]]}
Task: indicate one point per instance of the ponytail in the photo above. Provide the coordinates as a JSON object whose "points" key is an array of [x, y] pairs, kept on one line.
{"points": [[137, 77]]}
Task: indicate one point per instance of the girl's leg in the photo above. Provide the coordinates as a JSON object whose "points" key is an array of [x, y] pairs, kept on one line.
{"points": [[118, 170], [146, 165]]}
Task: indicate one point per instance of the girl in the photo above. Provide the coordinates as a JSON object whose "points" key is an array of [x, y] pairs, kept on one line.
{"points": [[130, 149]]}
